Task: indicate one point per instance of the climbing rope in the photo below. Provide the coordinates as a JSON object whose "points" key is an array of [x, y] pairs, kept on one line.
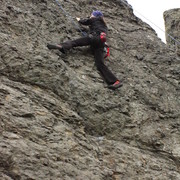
{"points": [[175, 40], [70, 18]]}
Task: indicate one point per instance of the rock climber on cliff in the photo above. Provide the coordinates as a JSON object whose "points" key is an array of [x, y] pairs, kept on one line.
{"points": [[96, 39]]}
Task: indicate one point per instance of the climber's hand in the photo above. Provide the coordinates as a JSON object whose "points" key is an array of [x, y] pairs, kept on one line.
{"points": [[78, 19]]}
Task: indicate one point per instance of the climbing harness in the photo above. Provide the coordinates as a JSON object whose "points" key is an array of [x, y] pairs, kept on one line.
{"points": [[103, 37], [106, 47], [70, 18]]}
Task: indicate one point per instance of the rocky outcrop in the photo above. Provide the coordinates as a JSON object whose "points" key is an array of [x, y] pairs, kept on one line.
{"points": [[57, 118], [172, 26]]}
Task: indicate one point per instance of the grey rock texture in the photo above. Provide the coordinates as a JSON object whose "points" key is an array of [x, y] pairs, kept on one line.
{"points": [[172, 26], [57, 118]]}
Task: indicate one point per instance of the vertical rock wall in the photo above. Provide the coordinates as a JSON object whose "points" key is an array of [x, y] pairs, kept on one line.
{"points": [[58, 121], [172, 26]]}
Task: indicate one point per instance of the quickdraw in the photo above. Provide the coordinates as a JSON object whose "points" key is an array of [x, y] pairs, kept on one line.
{"points": [[106, 50]]}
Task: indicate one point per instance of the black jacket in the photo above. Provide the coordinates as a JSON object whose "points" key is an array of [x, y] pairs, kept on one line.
{"points": [[96, 25]]}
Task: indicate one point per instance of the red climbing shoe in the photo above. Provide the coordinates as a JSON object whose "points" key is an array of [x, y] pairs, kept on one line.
{"points": [[58, 46], [116, 85]]}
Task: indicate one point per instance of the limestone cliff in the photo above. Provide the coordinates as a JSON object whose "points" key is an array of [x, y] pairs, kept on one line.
{"points": [[57, 118]]}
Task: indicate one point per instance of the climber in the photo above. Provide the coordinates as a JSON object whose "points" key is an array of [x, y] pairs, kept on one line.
{"points": [[96, 39]]}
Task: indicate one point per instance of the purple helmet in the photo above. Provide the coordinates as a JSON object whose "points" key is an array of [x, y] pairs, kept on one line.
{"points": [[97, 13]]}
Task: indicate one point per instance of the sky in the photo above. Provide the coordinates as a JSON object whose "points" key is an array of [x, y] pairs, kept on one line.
{"points": [[153, 10]]}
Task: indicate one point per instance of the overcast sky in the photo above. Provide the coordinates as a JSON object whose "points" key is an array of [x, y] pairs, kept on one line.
{"points": [[153, 11]]}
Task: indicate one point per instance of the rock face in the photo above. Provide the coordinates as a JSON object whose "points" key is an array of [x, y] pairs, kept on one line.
{"points": [[172, 26], [57, 118]]}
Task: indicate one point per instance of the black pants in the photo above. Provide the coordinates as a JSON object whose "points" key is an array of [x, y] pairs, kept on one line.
{"points": [[98, 49]]}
